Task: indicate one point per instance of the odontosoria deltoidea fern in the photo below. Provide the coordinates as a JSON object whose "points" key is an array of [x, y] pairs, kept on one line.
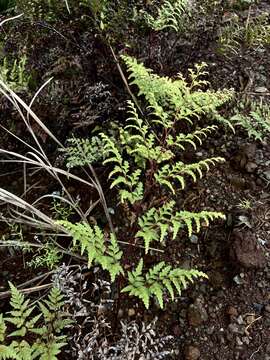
{"points": [[148, 172], [33, 332], [159, 279]]}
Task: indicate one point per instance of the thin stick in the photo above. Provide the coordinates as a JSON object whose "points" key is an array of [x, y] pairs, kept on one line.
{"points": [[7, 294]]}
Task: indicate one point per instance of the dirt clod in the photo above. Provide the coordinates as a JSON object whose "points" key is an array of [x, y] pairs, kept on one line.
{"points": [[192, 353], [246, 251]]}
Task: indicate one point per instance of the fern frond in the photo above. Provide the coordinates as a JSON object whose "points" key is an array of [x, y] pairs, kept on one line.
{"points": [[191, 219], [170, 15], [169, 174], [192, 138], [156, 224], [92, 242], [158, 280]]}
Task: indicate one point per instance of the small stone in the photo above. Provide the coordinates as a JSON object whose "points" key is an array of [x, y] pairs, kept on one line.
{"points": [[197, 314], [267, 308], [251, 167], [131, 312], [237, 279], [250, 319], [240, 320], [194, 239], [232, 311], [192, 353], [261, 89], [238, 341], [233, 328]]}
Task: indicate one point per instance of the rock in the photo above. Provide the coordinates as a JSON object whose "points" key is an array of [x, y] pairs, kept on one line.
{"points": [[194, 239], [261, 89], [192, 353], [131, 312], [197, 314], [232, 311], [251, 167], [246, 251], [267, 308]]}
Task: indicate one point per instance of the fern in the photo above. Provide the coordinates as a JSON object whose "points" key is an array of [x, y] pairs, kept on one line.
{"points": [[133, 190], [82, 152], [156, 224], [190, 138], [170, 15], [159, 279], [175, 99], [92, 242], [44, 343], [14, 74], [256, 122], [171, 173]]}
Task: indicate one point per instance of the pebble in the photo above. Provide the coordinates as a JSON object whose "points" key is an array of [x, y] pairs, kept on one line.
{"points": [[131, 312], [232, 311], [197, 313], [194, 239], [251, 167], [192, 353]]}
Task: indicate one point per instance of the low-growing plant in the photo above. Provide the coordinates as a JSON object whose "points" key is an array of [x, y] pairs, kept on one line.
{"points": [[148, 172], [255, 33], [146, 163], [33, 331], [170, 15], [254, 119], [14, 74]]}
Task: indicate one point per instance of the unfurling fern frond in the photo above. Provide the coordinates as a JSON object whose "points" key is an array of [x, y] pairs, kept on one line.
{"points": [[158, 280], [156, 224], [170, 15], [92, 242], [169, 174]]}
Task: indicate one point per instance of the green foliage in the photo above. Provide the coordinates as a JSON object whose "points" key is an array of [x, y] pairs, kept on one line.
{"points": [[176, 100], [14, 74], [81, 152], [171, 14], [156, 224], [254, 33], [6, 5], [92, 241], [256, 121], [147, 168], [42, 9], [35, 332], [159, 279], [48, 255]]}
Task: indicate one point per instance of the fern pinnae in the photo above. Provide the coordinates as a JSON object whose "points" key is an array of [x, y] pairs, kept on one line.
{"points": [[159, 279]]}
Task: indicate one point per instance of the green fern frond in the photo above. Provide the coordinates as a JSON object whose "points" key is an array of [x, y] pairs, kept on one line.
{"points": [[156, 224], [175, 99], [3, 328], [92, 242], [81, 152], [170, 15], [191, 219], [158, 280], [169, 174], [192, 138]]}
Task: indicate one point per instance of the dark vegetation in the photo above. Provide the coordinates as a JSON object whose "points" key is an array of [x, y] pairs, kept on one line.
{"points": [[134, 184]]}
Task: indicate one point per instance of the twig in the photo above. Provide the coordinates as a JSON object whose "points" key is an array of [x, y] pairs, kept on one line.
{"points": [[255, 352], [6, 294]]}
